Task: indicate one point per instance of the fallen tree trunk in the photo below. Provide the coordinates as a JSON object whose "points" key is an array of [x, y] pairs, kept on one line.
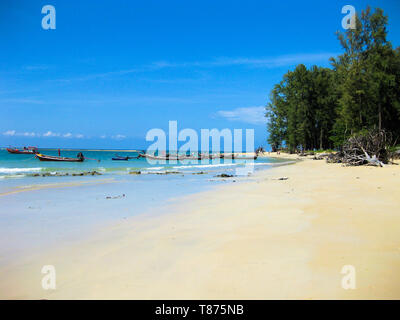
{"points": [[371, 148]]}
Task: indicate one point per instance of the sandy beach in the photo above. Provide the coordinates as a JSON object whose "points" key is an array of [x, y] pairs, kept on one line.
{"points": [[268, 238]]}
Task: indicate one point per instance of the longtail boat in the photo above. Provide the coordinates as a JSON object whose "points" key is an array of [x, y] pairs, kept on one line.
{"points": [[238, 156], [245, 157], [42, 157], [164, 157], [210, 156], [200, 156], [117, 157], [29, 150]]}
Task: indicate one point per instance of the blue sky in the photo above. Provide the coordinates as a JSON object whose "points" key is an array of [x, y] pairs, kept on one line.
{"points": [[112, 70]]}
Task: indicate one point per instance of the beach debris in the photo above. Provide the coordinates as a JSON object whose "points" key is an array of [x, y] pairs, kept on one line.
{"points": [[224, 175], [370, 148], [321, 156], [334, 158], [116, 197], [281, 178], [167, 172], [88, 173], [47, 174], [326, 154], [135, 172], [201, 172]]}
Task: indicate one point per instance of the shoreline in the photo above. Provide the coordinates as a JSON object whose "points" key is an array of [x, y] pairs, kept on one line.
{"points": [[260, 239]]}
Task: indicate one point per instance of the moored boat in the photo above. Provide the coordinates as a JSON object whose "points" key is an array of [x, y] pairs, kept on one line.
{"points": [[238, 156], [29, 150], [42, 157], [120, 158], [123, 158], [200, 156], [245, 157], [163, 157]]}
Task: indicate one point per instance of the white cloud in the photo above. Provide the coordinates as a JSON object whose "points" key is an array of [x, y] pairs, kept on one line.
{"points": [[9, 133], [70, 135], [51, 134], [279, 61], [260, 62], [118, 137], [263, 62], [29, 134], [252, 115], [12, 133], [47, 134]]}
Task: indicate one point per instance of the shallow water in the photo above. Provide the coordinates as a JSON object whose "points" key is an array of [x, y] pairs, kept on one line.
{"points": [[67, 209], [42, 212]]}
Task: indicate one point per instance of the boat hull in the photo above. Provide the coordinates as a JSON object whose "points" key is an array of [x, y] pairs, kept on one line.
{"points": [[42, 157], [151, 157], [200, 157], [16, 151], [238, 156]]}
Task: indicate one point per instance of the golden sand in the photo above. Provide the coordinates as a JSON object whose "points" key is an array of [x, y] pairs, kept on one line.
{"points": [[265, 239]]}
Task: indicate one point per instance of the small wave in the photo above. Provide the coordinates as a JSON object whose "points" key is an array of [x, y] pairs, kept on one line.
{"points": [[18, 170], [12, 176]]}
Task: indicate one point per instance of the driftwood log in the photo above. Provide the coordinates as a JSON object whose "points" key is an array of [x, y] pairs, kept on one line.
{"points": [[371, 148]]}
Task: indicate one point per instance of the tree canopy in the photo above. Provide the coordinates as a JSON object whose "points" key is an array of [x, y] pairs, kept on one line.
{"points": [[319, 108]]}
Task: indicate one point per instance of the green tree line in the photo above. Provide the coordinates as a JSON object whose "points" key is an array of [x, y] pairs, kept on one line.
{"points": [[320, 108]]}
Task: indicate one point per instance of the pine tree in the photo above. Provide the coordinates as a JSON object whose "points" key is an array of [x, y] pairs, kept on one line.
{"points": [[322, 107]]}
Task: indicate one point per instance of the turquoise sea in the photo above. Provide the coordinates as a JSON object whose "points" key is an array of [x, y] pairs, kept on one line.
{"points": [[20, 165]]}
